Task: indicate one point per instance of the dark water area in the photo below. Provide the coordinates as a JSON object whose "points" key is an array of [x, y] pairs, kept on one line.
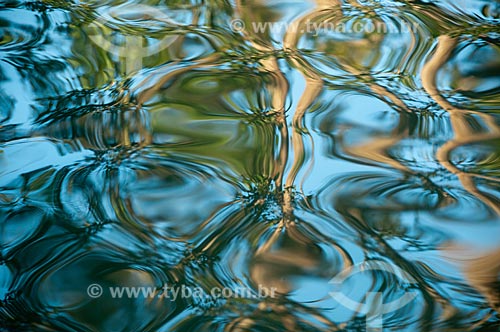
{"points": [[338, 160]]}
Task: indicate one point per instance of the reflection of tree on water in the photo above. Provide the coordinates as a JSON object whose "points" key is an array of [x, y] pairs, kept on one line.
{"points": [[461, 121], [287, 250], [266, 227]]}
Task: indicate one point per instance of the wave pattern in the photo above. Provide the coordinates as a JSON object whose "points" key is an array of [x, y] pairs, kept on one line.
{"points": [[249, 158]]}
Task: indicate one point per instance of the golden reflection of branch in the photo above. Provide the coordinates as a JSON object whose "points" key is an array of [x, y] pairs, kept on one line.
{"points": [[314, 86], [464, 133], [375, 150], [334, 6], [480, 267], [279, 90], [483, 273], [292, 35]]}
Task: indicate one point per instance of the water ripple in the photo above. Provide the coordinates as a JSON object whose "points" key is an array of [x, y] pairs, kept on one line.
{"points": [[152, 144]]}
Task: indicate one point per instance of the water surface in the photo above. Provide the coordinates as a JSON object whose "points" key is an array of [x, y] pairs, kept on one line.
{"points": [[152, 143]]}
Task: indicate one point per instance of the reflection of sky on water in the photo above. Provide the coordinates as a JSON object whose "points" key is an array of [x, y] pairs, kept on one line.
{"points": [[237, 159]]}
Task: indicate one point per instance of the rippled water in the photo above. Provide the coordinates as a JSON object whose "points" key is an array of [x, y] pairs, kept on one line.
{"points": [[162, 143]]}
